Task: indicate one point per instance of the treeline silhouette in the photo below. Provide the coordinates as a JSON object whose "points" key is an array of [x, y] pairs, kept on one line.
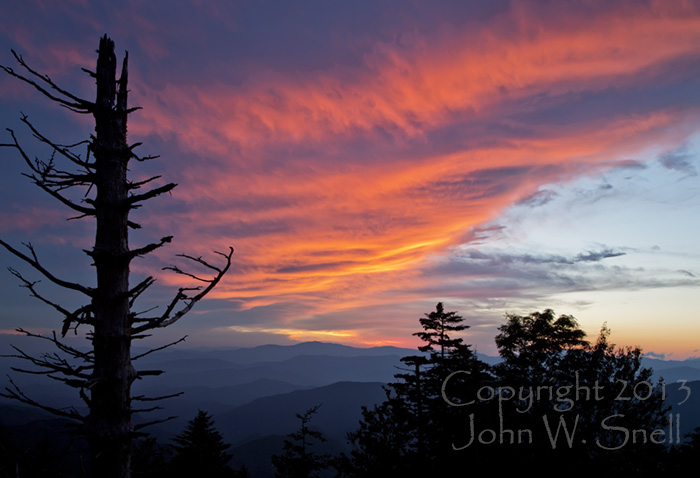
{"points": [[555, 404]]}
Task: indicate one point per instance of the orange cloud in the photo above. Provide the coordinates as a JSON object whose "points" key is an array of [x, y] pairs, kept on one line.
{"points": [[337, 186], [425, 80]]}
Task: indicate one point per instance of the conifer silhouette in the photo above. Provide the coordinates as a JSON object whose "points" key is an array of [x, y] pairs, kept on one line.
{"points": [[200, 450], [299, 459]]}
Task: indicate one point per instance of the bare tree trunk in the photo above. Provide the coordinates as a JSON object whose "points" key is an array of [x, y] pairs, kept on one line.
{"points": [[109, 423], [106, 373]]}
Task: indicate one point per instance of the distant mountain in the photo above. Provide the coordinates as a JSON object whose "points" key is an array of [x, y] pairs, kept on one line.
{"points": [[675, 374], [340, 411], [673, 370], [13, 415], [255, 393], [276, 415], [221, 378], [219, 399], [685, 400], [275, 353], [661, 364], [301, 371]]}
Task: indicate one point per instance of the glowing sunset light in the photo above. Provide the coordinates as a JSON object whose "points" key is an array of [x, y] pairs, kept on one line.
{"points": [[301, 335], [495, 156], [422, 85]]}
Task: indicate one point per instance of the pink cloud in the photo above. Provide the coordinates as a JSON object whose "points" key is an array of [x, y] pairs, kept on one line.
{"points": [[338, 185]]}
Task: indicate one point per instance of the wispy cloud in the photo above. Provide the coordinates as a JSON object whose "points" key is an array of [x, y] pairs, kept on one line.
{"points": [[348, 155], [680, 159]]}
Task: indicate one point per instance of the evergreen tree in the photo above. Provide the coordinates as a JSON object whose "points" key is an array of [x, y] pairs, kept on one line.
{"points": [[436, 328], [549, 373], [383, 445], [448, 356], [200, 450], [414, 429], [299, 460]]}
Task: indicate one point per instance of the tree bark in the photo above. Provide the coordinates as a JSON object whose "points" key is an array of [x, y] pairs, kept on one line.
{"points": [[109, 427]]}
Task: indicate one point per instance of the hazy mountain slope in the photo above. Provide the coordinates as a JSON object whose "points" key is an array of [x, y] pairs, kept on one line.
{"points": [[340, 411], [684, 399], [255, 393], [303, 371], [273, 353], [673, 374]]}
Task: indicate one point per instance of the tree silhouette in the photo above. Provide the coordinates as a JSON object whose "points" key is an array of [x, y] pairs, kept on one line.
{"points": [[582, 385], [149, 459], [411, 432], [201, 451], [531, 345], [299, 460], [549, 373], [103, 376], [692, 445], [384, 442], [437, 326]]}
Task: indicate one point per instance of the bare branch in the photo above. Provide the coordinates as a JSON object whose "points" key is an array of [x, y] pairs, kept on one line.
{"points": [[142, 398], [53, 363], [145, 373], [85, 211], [138, 184], [51, 180], [199, 260], [82, 315], [133, 199], [142, 159], [188, 274], [55, 367], [169, 316], [142, 251], [73, 218], [136, 357], [72, 351], [30, 285], [73, 102], [154, 422], [61, 149], [34, 262], [139, 289], [15, 393], [135, 315], [146, 410]]}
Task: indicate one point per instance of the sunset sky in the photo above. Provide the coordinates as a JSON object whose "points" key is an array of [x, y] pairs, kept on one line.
{"points": [[368, 159]]}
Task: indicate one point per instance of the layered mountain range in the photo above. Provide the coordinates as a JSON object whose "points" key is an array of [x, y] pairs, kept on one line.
{"points": [[255, 393]]}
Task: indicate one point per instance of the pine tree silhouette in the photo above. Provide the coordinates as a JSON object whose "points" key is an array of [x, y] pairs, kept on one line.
{"points": [[412, 431], [200, 450], [299, 460]]}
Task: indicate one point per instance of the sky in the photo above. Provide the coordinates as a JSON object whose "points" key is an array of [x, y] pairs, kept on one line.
{"points": [[369, 159]]}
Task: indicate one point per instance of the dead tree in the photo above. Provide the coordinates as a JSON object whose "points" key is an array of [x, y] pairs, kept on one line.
{"points": [[103, 376]]}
